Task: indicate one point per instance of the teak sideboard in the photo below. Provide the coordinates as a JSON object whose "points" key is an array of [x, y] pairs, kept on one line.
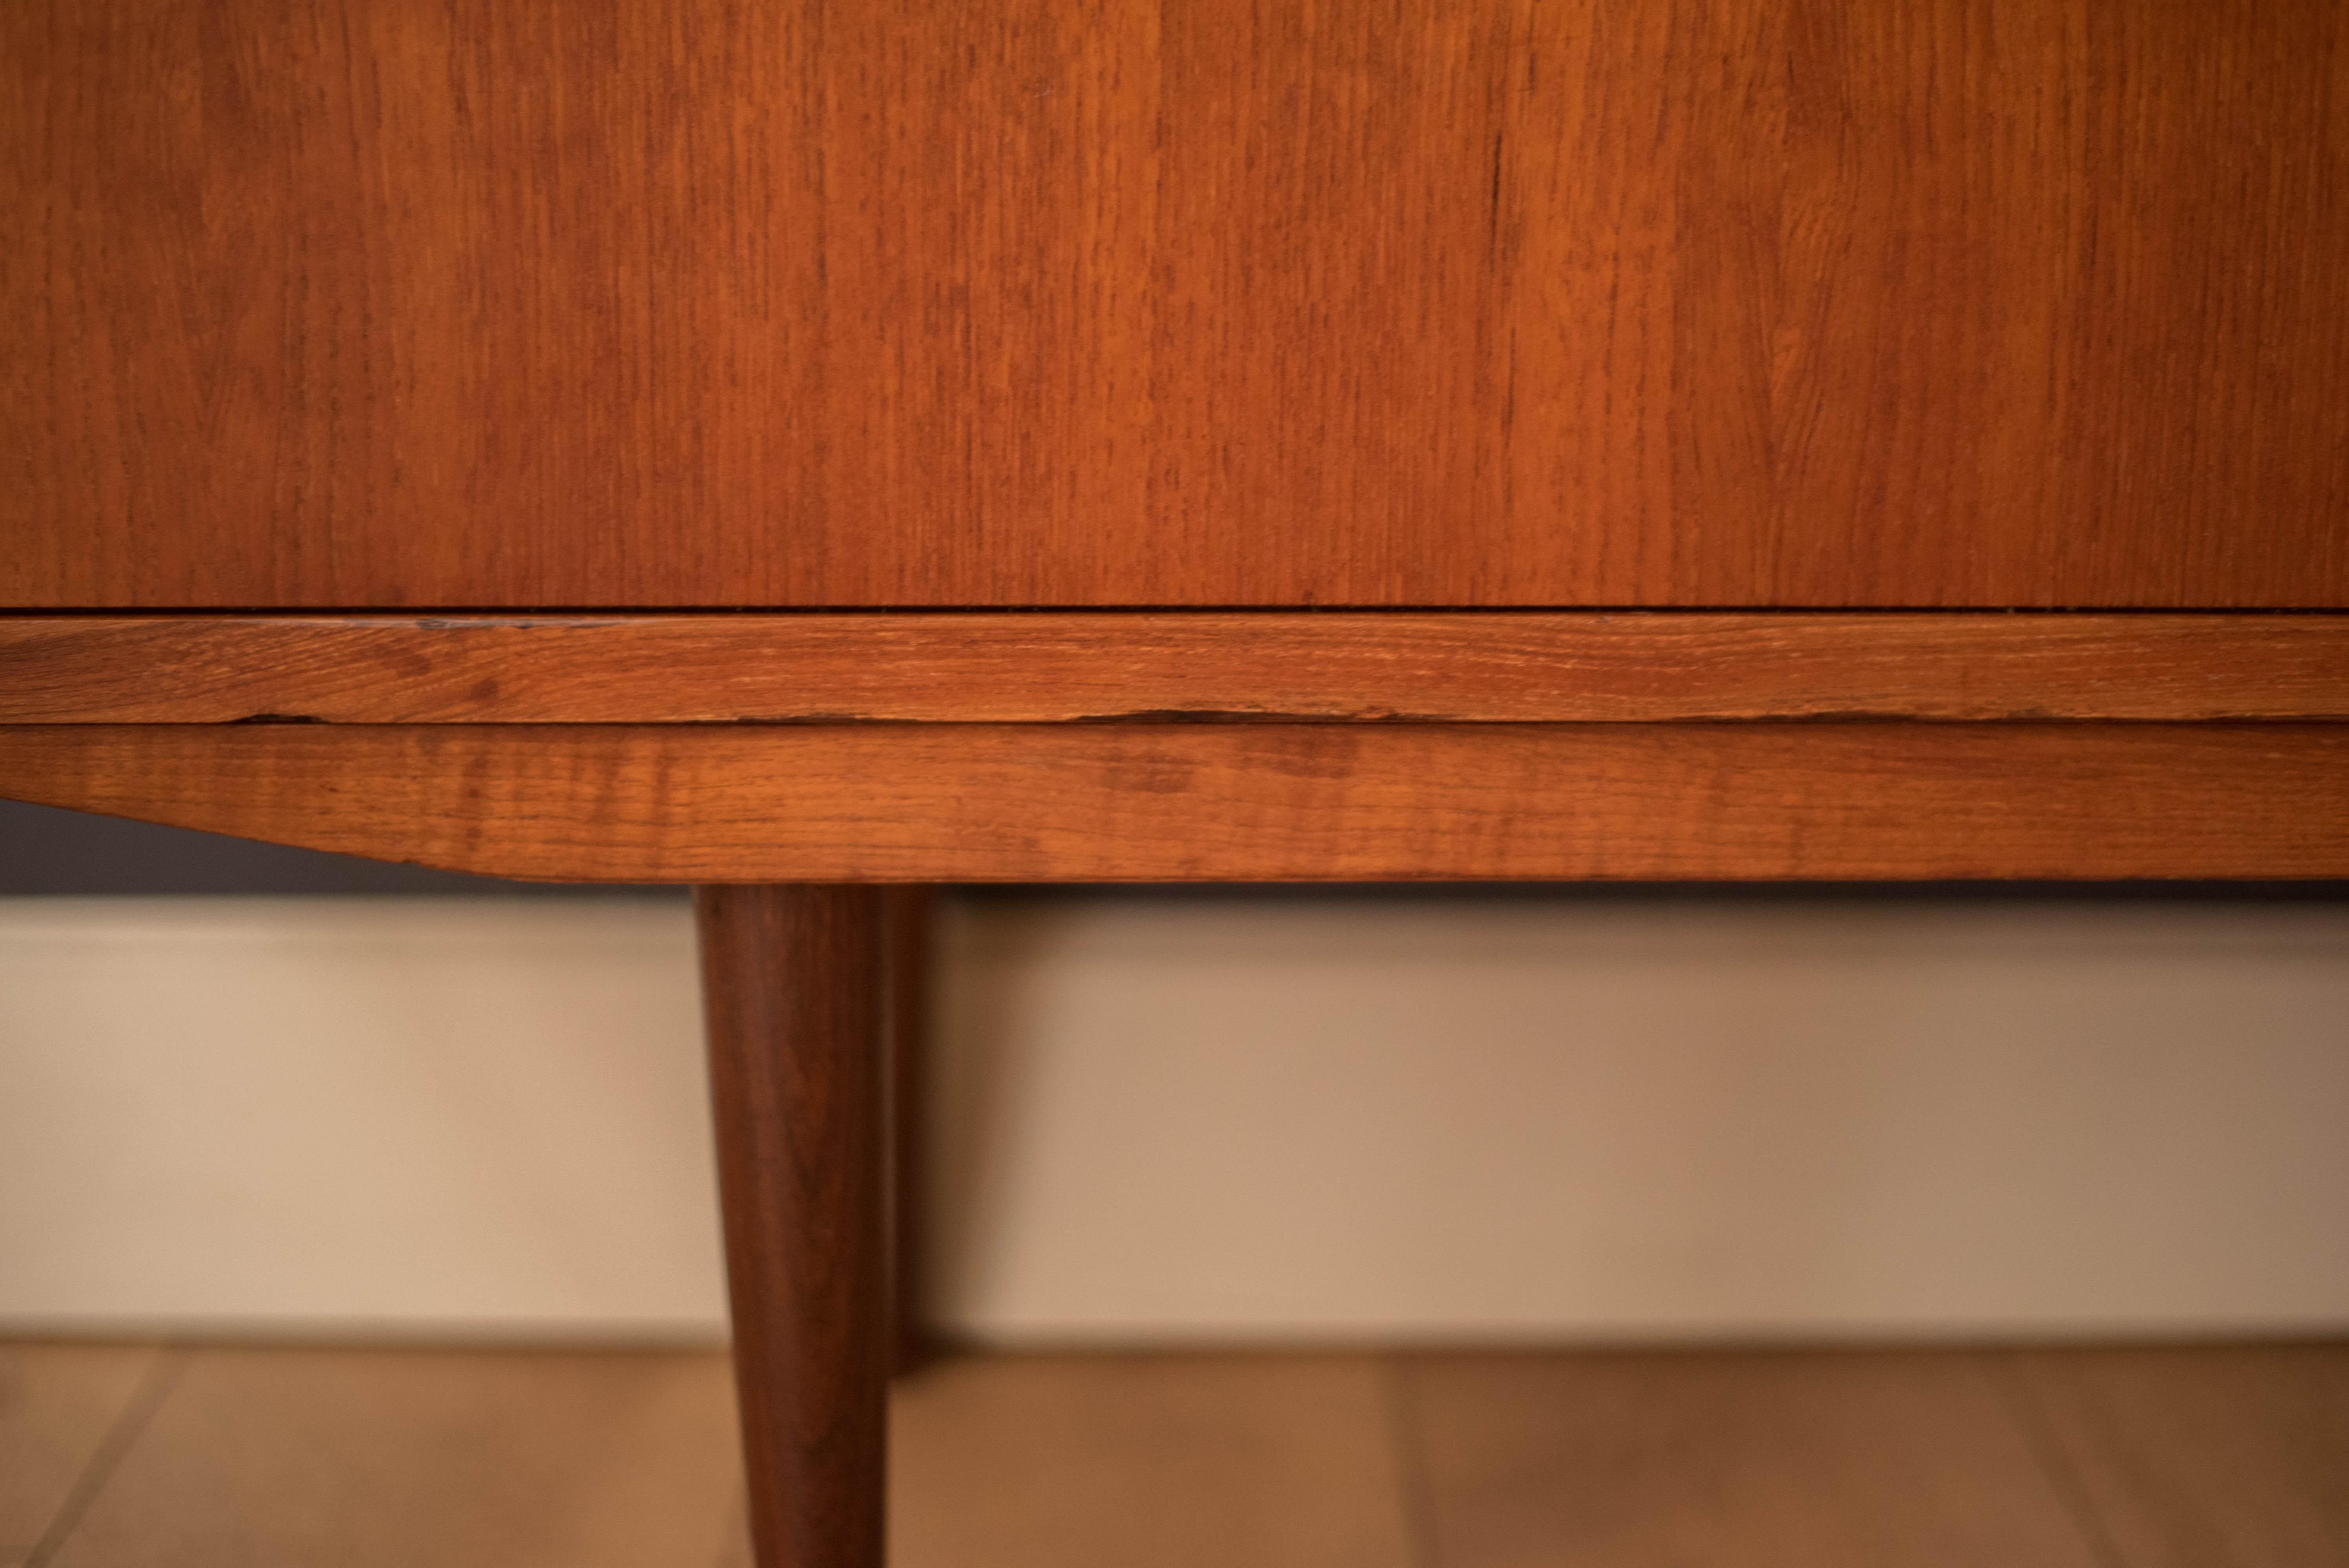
{"points": [[798, 449]]}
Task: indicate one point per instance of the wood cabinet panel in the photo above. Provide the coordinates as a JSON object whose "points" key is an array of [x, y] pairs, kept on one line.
{"points": [[377, 304]]}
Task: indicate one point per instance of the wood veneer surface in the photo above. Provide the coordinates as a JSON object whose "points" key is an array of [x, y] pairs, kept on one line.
{"points": [[370, 1459], [60, 1404], [2212, 1457], [1898, 1459], [347, 303], [1148, 1462], [1236, 803], [2207, 1457], [1073, 666]]}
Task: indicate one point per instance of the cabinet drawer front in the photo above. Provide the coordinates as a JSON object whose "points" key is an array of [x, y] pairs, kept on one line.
{"points": [[1826, 303]]}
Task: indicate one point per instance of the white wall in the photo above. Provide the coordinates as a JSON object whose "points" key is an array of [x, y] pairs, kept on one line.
{"points": [[334, 1115], [1211, 1119]]}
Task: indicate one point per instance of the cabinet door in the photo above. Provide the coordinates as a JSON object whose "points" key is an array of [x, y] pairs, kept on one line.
{"points": [[382, 303]]}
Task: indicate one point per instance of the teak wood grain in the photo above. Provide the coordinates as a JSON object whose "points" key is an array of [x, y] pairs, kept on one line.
{"points": [[1074, 665], [791, 981], [1236, 803], [1823, 303]]}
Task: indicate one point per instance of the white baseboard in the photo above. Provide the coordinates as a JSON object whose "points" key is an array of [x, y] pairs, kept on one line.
{"points": [[1209, 1120]]}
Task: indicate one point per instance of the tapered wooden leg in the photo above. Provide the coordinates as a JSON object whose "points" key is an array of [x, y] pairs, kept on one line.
{"points": [[907, 963], [793, 985]]}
